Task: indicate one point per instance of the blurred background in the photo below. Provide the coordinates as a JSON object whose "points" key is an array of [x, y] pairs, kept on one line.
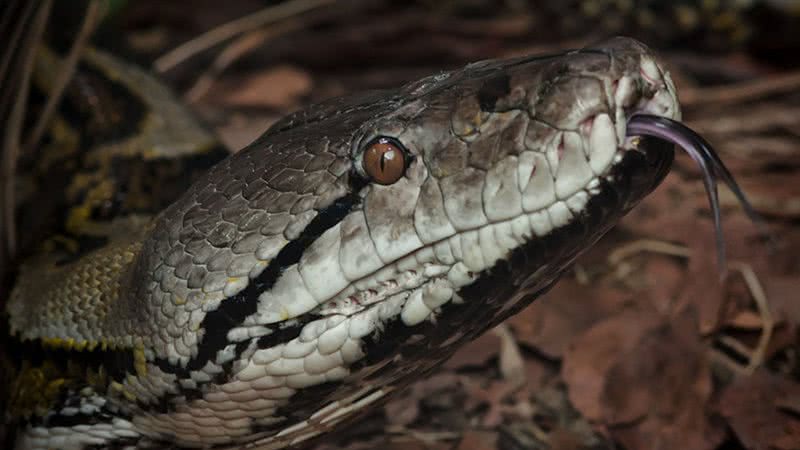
{"points": [[641, 346]]}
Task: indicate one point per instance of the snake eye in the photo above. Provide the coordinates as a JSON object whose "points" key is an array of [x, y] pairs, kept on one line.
{"points": [[384, 160]]}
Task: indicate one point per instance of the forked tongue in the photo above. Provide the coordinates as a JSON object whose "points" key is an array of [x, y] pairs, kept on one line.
{"points": [[709, 162]]}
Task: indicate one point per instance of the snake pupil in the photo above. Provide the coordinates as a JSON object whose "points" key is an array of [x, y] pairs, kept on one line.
{"points": [[384, 161]]}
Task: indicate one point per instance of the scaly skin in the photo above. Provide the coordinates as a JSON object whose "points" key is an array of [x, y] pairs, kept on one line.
{"points": [[286, 292]]}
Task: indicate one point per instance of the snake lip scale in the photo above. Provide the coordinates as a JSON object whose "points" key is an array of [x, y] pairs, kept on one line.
{"points": [[347, 251]]}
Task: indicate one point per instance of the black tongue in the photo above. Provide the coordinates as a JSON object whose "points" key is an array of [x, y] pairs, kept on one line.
{"points": [[710, 164]]}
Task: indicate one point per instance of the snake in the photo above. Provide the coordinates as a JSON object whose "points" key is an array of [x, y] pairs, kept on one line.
{"points": [[266, 298]]}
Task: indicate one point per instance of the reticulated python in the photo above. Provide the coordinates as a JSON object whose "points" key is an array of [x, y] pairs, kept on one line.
{"points": [[312, 275]]}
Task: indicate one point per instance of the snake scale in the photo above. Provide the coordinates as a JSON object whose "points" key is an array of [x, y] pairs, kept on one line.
{"points": [[312, 275]]}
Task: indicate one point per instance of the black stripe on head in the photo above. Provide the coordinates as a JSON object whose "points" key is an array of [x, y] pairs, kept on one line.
{"points": [[233, 310]]}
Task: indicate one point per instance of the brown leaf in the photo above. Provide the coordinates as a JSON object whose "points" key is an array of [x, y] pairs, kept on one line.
{"points": [[478, 440], [551, 322], [404, 409], [751, 406], [779, 197], [565, 439], [782, 292], [666, 380], [492, 396], [703, 290], [475, 354], [590, 356], [692, 430], [646, 376], [408, 443], [277, 87], [746, 320], [789, 404], [664, 214], [790, 439], [240, 130], [536, 374], [663, 278]]}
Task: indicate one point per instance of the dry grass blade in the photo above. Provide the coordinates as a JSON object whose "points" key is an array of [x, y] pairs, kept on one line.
{"points": [[512, 365], [94, 11], [16, 16], [647, 245], [761, 117], [741, 92], [228, 30], [767, 323], [233, 52], [13, 130], [14, 36]]}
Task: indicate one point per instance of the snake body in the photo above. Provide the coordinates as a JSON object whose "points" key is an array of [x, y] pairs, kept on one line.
{"points": [[289, 289]]}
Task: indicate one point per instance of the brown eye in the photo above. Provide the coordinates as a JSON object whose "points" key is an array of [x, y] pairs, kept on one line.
{"points": [[384, 161]]}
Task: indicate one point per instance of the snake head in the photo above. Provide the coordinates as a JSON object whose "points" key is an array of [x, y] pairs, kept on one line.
{"points": [[362, 241], [515, 167]]}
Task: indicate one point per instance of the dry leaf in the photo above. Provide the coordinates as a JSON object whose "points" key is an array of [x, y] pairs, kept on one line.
{"points": [[551, 322], [783, 293], [278, 87], [646, 376], [476, 353], [590, 356], [657, 394], [780, 197], [746, 320], [512, 366], [751, 406], [478, 440], [404, 409]]}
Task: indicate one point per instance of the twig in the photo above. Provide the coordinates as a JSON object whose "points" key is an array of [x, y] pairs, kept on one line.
{"points": [[11, 141], [758, 146], [233, 52], [756, 355], [765, 117], [740, 92], [728, 362], [581, 275], [735, 345], [94, 10], [512, 365], [228, 30], [767, 322], [647, 245], [11, 44], [405, 434], [14, 21], [9, 72]]}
